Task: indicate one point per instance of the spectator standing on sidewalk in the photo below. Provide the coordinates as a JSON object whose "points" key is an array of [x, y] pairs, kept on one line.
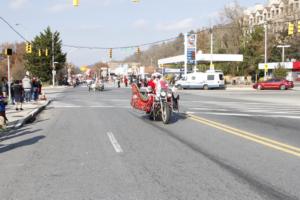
{"points": [[39, 82], [26, 82], [3, 104], [4, 87], [18, 94], [35, 89]]}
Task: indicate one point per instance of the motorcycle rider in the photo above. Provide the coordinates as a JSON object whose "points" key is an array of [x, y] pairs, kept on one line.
{"points": [[159, 84], [151, 83]]}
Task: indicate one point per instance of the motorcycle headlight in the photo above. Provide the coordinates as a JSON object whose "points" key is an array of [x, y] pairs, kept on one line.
{"points": [[163, 94]]}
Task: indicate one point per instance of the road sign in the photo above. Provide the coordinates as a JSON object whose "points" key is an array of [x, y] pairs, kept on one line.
{"points": [[266, 67]]}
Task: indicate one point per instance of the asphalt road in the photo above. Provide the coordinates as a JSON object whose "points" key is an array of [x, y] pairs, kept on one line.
{"points": [[229, 145]]}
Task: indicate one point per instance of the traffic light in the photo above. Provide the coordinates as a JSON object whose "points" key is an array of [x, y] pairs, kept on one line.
{"points": [[298, 26], [46, 52], [138, 51], [75, 2], [291, 28], [40, 52], [110, 53], [28, 47], [8, 52]]}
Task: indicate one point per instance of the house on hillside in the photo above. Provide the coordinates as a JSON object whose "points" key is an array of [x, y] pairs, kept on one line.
{"points": [[276, 12]]}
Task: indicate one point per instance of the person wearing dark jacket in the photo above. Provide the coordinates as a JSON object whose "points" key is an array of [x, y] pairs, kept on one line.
{"points": [[4, 87], [3, 104], [18, 94], [35, 89]]}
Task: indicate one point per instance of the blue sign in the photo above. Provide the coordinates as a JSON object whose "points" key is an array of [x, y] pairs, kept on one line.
{"points": [[191, 56], [190, 47]]}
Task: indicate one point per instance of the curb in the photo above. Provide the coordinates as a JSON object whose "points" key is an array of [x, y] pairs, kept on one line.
{"points": [[19, 123]]}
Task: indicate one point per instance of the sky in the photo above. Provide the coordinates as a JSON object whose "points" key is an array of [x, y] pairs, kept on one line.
{"points": [[108, 23]]}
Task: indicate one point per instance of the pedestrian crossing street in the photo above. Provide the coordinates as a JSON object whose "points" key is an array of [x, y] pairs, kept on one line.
{"points": [[242, 109]]}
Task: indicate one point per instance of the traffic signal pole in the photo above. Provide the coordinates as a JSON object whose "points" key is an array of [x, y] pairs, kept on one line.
{"points": [[8, 78]]}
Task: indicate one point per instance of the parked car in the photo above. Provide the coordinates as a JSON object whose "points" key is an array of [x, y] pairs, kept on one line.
{"points": [[199, 80], [280, 84]]}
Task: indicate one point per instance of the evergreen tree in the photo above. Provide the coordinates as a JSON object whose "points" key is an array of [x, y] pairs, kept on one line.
{"points": [[41, 65], [280, 72], [253, 50]]}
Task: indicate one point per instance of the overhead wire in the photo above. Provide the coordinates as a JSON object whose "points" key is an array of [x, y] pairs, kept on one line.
{"points": [[121, 47], [17, 32], [217, 27]]}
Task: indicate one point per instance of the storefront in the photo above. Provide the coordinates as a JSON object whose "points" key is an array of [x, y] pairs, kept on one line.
{"points": [[292, 67]]}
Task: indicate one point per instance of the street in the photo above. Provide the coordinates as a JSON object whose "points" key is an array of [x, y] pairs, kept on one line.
{"points": [[95, 146]]}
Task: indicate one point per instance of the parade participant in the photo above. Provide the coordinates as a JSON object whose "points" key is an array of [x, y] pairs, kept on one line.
{"points": [[159, 83], [151, 83]]}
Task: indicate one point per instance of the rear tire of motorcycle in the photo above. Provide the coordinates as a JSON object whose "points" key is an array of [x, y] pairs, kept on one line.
{"points": [[151, 116], [166, 113]]}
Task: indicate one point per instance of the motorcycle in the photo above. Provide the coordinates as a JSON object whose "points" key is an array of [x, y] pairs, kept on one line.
{"points": [[97, 86], [158, 106]]}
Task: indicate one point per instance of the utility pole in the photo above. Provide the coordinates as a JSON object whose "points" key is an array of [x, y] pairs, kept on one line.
{"points": [[211, 49], [266, 50], [53, 64], [8, 78]]}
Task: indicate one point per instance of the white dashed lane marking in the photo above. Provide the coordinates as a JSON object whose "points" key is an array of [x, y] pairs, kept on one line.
{"points": [[114, 142]]}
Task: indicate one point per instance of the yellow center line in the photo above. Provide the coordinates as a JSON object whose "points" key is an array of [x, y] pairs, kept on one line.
{"points": [[249, 136]]}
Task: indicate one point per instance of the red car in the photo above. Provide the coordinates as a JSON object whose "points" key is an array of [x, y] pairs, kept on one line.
{"points": [[274, 83]]}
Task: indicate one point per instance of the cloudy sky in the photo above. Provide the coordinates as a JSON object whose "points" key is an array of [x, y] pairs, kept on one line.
{"points": [[108, 23]]}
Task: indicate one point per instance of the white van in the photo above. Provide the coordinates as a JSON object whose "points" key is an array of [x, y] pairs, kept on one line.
{"points": [[199, 80]]}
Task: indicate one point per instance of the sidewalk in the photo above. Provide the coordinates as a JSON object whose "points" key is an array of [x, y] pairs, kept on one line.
{"points": [[17, 119], [239, 87]]}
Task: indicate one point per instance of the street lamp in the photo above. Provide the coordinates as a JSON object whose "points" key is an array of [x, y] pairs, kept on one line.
{"points": [[283, 50]]}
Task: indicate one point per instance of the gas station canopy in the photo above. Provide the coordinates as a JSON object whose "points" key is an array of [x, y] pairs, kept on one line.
{"points": [[204, 58]]}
